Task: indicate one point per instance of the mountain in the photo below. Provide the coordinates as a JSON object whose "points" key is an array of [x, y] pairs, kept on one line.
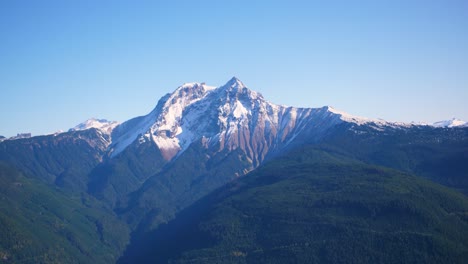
{"points": [[311, 206], [199, 138], [451, 123], [229, 117], [101, 124]]}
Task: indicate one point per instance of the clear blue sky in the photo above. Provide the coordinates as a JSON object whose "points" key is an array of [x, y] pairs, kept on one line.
{"points": [[62, 62]]}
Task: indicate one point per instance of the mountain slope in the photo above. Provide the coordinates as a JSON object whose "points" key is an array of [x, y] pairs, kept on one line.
{"points": [[40, 224], [114, 178], [439, 154], [313, 207], [64, 160]]}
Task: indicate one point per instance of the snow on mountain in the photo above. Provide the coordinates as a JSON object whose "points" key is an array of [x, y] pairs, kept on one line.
{"points": [[163, 123], [228, 117], [101, 124], [356, 119], [451, 123], [378, 124]]}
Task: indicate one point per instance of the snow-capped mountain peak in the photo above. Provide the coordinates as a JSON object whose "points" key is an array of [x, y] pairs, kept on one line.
{"points": [[192, 111], [101, 124], [234, 83], [454, 122], [229, 117], [235, 89], [186, 113]]}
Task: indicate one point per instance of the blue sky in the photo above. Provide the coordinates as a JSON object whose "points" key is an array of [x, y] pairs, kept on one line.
{"points": [[62, 62]]}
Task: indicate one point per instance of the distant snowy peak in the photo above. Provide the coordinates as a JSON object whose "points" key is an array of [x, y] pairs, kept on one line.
{"points": [[101, 124], [378, 123], [451, 123]]}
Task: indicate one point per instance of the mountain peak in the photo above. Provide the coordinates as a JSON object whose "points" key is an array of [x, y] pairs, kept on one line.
{"points": [[101, 124], [235, 88], [234, 83], [454, 122]]}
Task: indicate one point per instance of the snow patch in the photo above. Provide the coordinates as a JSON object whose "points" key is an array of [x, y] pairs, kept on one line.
{"points": [[376, 123], [240, 110]]}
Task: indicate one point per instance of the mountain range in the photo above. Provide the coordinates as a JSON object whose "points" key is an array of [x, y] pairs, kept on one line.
{"points": [[198, 160]]}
